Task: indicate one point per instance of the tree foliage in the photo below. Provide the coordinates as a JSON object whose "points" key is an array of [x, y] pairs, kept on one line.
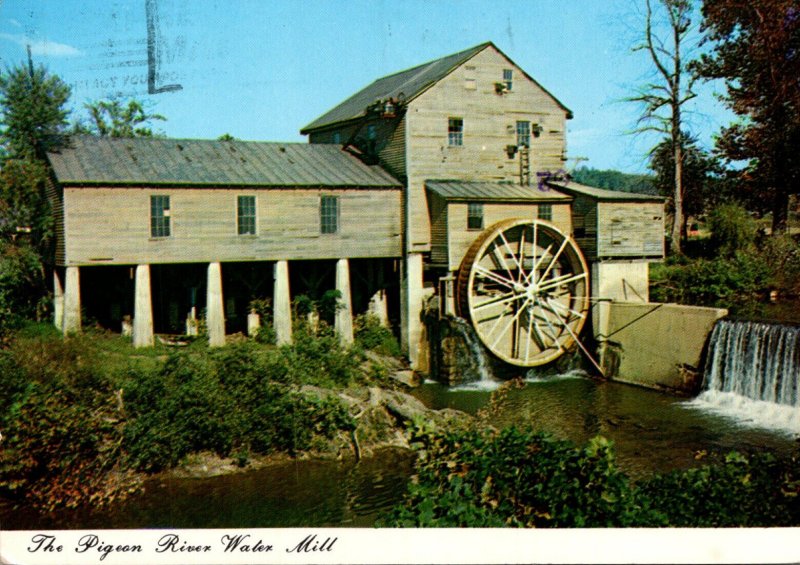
{"points": [[34, 117], [699, 176], [614, 180], [755, 50], [115, 118], [663, 99]]}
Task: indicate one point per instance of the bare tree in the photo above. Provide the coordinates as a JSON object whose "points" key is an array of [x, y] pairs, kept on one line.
{"points": [[663, 99]]}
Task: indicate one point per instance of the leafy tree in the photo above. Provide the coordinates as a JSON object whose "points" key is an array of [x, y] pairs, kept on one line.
{"points": [[699, 175], [663, 99], [614, 180], [113, 118], [34, 119], [756, 52]]}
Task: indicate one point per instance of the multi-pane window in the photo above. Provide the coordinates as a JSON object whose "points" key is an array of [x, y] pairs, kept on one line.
{"points": [[545, 212], [474, 216], [523, 134], [246, 215], [508, 78], [329, 214], [455, 131], [159, 216]]}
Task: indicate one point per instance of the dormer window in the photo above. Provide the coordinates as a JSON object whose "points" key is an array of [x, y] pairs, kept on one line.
{"points": [[508, 78]]}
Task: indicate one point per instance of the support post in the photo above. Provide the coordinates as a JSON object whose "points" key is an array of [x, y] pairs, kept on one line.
{"points": [[142, 308], [412, 298], [215, 313], [58, 300], [282, 303], [72, 301], [601, 320], [344, 311], [378, 307]]}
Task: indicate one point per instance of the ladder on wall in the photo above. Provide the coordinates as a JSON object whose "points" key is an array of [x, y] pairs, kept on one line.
{"points": [[524, 166]]}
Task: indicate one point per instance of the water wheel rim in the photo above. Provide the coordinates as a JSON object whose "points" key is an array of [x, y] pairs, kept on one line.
{"points": [[541, 310]]}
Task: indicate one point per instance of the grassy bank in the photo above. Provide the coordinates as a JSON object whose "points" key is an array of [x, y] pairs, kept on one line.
{"points": [[85, 418]]}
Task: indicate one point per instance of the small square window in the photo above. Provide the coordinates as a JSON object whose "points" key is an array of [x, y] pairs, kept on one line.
{"points": [[329, 214], [159, 216], [545, 212], [508, 78], [246, 215], [455, 132], [523, 134], [474, 216], [337, 138], [372, 132]]}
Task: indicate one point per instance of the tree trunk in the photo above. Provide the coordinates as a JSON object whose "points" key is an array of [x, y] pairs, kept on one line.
{"points": [[780, 211], [677, 199]]}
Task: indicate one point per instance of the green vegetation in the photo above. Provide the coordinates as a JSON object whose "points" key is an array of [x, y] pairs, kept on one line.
{"points": [[525, 479], [736, 265], [614, 180], [82, 416]]}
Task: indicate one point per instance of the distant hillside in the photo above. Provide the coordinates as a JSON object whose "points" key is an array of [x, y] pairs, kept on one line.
{"points": [[614, 180]]}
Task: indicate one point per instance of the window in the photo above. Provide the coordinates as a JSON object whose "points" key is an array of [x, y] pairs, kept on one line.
{"points": [[523, 134], [329, 214], [545, 212], [372, 132], [159, 216], [337, 138], [455, 132], [246, 215], [508, 78], [474, 216]]}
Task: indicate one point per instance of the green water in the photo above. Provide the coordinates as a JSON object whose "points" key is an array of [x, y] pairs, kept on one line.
{"points": [[652, 432]]}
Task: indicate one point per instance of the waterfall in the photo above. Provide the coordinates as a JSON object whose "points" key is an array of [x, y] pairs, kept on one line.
{"points": [[476, 368], [752, 373]]}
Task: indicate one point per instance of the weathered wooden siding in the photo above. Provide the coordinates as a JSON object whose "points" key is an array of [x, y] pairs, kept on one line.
{"points": [[112, 226], [584, 225], [460, 238], [630, 229], [489, 126], [388, 145], [438, 207], [55, 198]]}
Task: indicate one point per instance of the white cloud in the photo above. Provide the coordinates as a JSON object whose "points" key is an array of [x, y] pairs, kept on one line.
{"points": [[42, 47]]}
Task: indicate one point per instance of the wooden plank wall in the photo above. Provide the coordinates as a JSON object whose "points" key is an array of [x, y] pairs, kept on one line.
{"points": [[630, 229], [489, 126], [460, 238], [438, 208], [584, 216], [112, 226]]}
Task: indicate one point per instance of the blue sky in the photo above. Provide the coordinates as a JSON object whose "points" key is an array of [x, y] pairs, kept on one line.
{"points": [[264, 69]]}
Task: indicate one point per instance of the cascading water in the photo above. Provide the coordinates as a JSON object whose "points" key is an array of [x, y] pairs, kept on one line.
{"points": [[477, 366], [753, 373]]}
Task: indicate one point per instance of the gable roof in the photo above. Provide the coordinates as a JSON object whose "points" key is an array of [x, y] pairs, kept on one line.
{"points": [[191, 162], [485, 191], [410, 83], [603, 194]]}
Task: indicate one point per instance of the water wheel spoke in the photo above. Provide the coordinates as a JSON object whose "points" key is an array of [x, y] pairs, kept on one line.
{"points": [[511, 322], [500, 300], [530, 336], [570, 311], [521, 254], [510, 252], [480, 270], [554, 260], [560, 280], [500, 261], [532, 278]]}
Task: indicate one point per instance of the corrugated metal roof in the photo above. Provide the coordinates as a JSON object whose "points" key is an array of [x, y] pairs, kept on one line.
{"points": [[411, 83], [571, 187], [156, 161], [492, 191]]}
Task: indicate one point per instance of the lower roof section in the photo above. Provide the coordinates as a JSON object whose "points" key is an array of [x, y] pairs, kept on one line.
{"points": [[486, 191]]}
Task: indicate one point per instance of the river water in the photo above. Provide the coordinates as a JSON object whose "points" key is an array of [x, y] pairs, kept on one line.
{"points": [[652, 432]]}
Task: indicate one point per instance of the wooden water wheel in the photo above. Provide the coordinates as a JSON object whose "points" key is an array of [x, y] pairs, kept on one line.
{"points": [[524, 286]]}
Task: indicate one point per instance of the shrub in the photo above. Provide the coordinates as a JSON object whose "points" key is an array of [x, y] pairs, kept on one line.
{"points": [[732, 228], [370, 334]]}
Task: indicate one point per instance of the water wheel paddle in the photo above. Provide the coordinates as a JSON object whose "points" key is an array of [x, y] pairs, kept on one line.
{"points": [[524, 286]]}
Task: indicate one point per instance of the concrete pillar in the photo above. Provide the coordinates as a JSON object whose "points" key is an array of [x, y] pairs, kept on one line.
{"points": [[412, 298], [379, 307], [142, 308], [72, 301], [215, 313], [344, 313], [282, 303], [253, 323], [58, 300], [191, 322], [601, 323]]}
